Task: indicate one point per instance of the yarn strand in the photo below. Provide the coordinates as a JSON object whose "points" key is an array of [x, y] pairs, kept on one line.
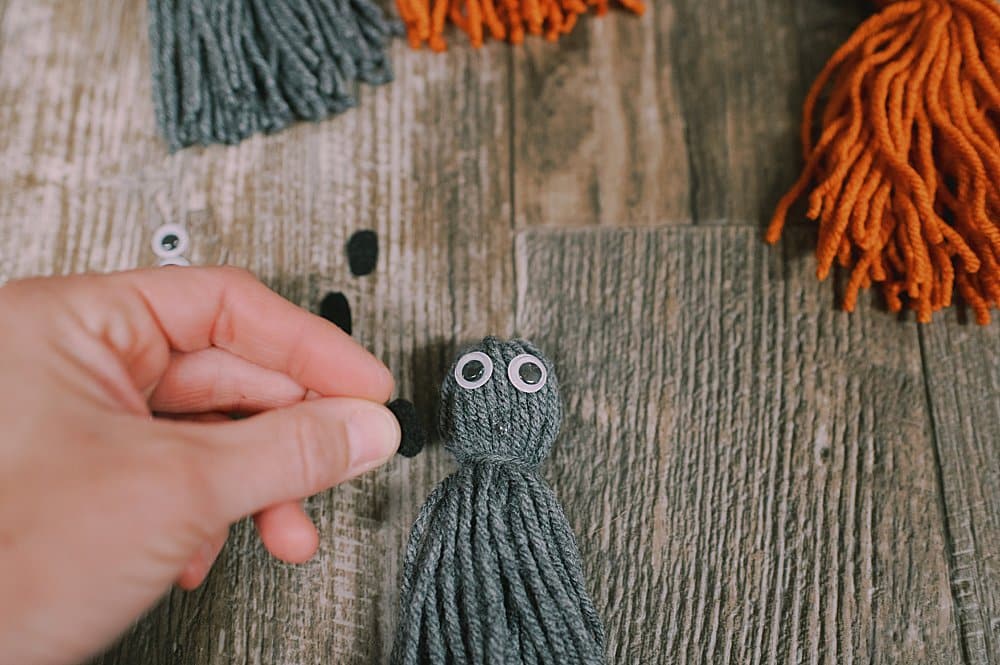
{"points": [[500, 19], [905, 169], [492, 541], [467, 596], [489, 564], [521, 610], [226, 69]]}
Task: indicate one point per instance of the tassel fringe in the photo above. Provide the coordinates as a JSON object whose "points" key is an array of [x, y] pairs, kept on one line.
{"points": [[226, 69], [500, 19], [905, 172], [492, 574]]}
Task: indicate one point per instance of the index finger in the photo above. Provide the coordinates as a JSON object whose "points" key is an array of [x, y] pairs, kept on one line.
{"points": [[229, 308]]}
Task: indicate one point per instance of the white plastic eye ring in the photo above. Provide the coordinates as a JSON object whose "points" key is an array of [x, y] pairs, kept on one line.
{"points": [[527, 373], [473, 370], [175, 261], [170, 241]]}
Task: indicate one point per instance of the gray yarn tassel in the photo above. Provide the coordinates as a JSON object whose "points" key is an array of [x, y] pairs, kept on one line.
{"points": [[226, 69], [492, 573]]}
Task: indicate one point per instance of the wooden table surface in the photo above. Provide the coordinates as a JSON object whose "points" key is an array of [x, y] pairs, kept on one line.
{"points": [[754, 476]]}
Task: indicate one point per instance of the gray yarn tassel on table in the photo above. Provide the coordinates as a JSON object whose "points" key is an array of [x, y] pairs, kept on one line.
{"points": [[226, 69], [492, 573]]}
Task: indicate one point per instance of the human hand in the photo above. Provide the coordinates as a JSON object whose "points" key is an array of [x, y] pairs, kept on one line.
{"points": [[104, 505]]}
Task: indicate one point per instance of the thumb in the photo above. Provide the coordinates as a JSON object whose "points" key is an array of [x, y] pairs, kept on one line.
{"points": [[290, 453]]}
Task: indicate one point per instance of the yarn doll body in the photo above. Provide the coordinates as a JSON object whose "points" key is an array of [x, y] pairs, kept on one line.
{"points": [[492, 573]]}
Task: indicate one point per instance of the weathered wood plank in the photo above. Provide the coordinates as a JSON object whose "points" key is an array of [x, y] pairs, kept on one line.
{"points": [[3, 10], [750, 471], [424, 162], [962, 366], [598, 127], [759, 483], [689, 114]]}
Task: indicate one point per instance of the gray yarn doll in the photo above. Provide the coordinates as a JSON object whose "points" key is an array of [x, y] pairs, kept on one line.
{"points": [[492, 573]]}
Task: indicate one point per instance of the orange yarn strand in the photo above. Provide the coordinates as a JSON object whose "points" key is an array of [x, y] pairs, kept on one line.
{"points": [[904, 171], [501, 19]]}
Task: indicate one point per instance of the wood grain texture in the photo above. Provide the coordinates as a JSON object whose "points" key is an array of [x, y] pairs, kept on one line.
{"points": [[962, 364], [755, 477], [750, 482], [424, 162], [689, 114], [598, 130]]}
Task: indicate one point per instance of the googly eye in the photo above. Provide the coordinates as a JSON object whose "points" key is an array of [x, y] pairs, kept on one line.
{"points": [[527, 373], [473, 370], [175, 261], [170, 241]]}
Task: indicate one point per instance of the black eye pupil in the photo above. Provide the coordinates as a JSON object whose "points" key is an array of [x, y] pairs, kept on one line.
{"points": [[170, 241], [530, 373], [473, 370]]}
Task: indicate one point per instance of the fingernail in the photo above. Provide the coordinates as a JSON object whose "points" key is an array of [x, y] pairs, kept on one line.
{"points": [[373, 435]]}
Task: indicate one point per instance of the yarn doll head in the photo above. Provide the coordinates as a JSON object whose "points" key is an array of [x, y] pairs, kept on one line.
{"points": [[500, 403]]}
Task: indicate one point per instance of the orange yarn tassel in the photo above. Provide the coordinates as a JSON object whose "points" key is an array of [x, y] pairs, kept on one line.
{"points": [[500, 19], [905, 171]]}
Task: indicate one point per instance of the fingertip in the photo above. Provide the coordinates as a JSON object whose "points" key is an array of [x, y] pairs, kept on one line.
{"points": [[373, 435], [287, 532], [362, 374], [198, 567], [299, 546], [191, 578]]}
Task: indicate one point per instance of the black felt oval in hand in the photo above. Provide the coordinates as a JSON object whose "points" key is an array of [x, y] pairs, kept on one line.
{"points": [[362, 252], [414, 438]]}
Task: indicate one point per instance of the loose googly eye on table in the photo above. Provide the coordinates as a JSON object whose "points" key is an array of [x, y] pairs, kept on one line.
{"points": [[174, 261], [169, 243]]}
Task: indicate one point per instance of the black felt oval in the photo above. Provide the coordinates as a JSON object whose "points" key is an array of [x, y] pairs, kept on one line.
{"points": [[414, 438], [362, 252], [336, 310]]}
